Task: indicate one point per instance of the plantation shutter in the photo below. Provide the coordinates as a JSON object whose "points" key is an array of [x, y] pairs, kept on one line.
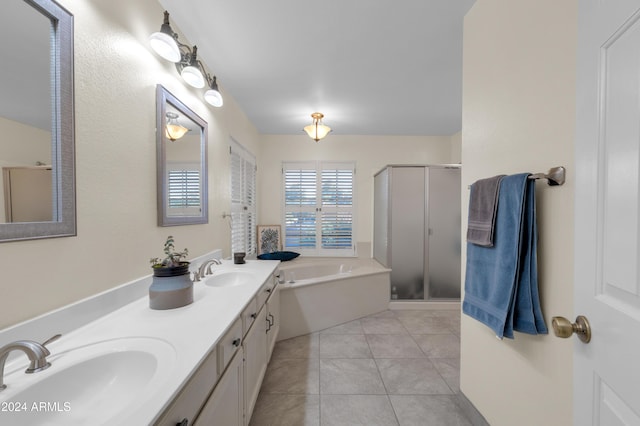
{"points": [[184, 196], [243, 199], [318, 208]]}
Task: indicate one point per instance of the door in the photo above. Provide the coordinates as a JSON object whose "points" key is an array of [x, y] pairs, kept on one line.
{"points": [[607, 241]]}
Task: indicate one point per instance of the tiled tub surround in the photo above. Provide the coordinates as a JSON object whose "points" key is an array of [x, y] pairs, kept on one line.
{"points": [[192, 331], [393, 368]]}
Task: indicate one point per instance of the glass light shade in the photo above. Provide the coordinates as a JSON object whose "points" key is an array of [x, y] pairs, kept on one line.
{"points": [[317, 131], [193, 76], [175, 131], [165, 46], [213, 97]]}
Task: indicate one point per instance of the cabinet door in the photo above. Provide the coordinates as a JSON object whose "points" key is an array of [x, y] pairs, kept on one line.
{"points": [[273, 320], [225, 405], [255, 361]]}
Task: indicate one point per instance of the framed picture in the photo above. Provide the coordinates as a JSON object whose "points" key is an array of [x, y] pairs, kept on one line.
{"points": [[269, 238]]}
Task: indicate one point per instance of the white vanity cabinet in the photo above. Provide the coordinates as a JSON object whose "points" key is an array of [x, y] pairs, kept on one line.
{"points": [[224, 390], [225, 407], [255, 360], [189, 401], [273, 319]]}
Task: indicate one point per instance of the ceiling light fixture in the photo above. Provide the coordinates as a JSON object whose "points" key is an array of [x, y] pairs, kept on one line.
{"points": [[166, 44], [173, 129], [316, 130]]}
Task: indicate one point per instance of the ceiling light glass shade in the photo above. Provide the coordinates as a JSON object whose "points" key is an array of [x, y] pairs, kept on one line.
{"points": [[213, 96], [165, 46], [173, 130], [317, 130], [193, 76]]}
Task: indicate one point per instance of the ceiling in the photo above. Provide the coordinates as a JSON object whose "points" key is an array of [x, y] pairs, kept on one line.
{"points": [[377, 67]]}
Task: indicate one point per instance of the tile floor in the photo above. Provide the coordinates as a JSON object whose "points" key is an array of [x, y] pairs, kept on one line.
{"points": [[393, 368]]}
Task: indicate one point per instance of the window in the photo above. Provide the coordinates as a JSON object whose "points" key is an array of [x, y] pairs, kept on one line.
{"points": [[319, 208], [243, 199], [183, 189]]}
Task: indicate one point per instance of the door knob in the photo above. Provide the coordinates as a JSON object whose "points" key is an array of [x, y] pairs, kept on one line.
{"points": [[564, 328]]}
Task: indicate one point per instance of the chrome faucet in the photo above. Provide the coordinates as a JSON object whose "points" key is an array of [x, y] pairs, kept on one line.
{"points": [[205, 269], [36, 352]]}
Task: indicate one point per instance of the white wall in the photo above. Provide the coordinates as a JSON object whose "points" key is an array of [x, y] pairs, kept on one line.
{"points": [[371, 153], [115, 79], [518, 115]]}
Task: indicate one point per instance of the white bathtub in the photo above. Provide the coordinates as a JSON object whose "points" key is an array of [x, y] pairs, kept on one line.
{"points": [[319, 293]]}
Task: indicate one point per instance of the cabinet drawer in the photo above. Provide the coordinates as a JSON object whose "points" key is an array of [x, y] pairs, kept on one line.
{"points": [[194, 394], [229, 344], [264, 292], [248, 316]]}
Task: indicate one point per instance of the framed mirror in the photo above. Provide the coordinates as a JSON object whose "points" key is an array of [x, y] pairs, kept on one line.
{"points": [[181, 143], [37, 148]]}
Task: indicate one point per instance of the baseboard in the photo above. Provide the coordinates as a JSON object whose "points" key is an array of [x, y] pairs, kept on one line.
{"points": [[470, 410]]}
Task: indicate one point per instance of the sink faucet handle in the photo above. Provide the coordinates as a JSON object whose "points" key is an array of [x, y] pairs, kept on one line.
{"points": [[52, 339]]}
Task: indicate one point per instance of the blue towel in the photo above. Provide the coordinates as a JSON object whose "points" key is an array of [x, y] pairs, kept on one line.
{"points": [[501, 285]]}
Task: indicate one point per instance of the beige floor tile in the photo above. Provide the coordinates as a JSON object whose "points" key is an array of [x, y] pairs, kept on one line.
{"points": [[344, 346], [426, 324], [428, 410], [382, 325], [394, 346], [350, 376], [411, 377], [354, 410], [298, 347], [286, 410], [352, 327], [439, 345], [292, 376]]}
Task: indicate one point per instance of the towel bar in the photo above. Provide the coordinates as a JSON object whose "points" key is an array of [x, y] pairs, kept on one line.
{"points": [[555, 176]]}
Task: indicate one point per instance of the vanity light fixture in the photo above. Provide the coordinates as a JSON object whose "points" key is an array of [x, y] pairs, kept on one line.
{"points": [[173, 129], [166, 44], [316, 130]]}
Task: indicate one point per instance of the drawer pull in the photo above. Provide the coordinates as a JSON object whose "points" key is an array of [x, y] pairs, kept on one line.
{"points": [[184, 422], [268, 290], [254, 315], [236, 343]]}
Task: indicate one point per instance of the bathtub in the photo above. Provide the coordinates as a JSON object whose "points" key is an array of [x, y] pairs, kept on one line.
{"points": [[318, 293]]}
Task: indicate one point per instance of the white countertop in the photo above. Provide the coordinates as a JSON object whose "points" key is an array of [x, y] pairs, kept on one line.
{"points": [[192, 331]]}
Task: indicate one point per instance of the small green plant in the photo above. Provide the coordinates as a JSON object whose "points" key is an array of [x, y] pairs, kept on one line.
{"points": [[173, 257]]}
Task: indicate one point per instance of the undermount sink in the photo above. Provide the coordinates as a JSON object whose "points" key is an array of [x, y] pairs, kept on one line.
{"points": [[91, 384], [230, 278]]}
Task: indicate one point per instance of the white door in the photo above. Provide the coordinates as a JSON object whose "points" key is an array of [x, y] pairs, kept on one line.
{"points": [[607, 240]]}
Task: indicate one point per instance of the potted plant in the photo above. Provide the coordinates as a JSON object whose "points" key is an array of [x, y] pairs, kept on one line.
{"points": [[171, 286], [172, 265]]}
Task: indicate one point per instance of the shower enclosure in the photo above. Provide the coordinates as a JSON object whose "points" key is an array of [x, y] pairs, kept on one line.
{"points": [[417, 230]]}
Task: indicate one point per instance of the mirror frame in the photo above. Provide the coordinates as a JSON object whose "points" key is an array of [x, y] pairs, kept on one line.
{"points": [[62, 133], [164, 97]]}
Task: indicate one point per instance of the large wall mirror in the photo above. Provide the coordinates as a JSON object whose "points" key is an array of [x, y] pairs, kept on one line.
{"points": [[37, 183], [181, 140]]}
